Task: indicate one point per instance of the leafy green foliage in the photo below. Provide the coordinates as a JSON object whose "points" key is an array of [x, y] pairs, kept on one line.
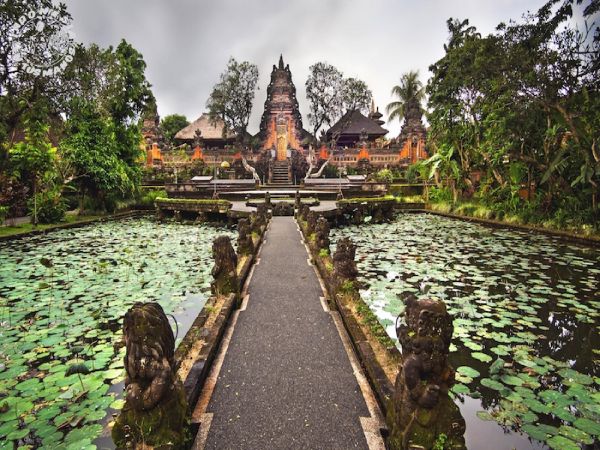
{"points": [[410, 93], [50, 204], [385, 176], [330, 95], [356, 95], [3, 213], [232, 97], [513, 114], [102, 143], [323, 87], [171, 124]]}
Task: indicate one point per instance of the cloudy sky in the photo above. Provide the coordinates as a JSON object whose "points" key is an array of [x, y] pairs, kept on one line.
{"points": [[186, 43]]}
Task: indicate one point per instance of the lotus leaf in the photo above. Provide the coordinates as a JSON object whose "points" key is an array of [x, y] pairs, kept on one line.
{"points": [[562, 443], [492, 384]]}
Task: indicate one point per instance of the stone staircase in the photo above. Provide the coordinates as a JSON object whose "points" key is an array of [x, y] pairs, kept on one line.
{"points": [[281, 173]]}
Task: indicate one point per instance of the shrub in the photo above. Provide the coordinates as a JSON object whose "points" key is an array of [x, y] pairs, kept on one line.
{"points": [[384, 176], [147, 198], [323, 253], [440, 195], [51, 206], [3, 213], [413, 173]]}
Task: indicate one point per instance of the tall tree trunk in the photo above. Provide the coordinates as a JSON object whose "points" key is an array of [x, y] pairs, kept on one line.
{"points": [[81, 201], [35, 219]]}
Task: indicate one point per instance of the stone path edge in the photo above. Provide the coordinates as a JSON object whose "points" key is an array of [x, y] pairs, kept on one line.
{"points": [[196, 378], [380, 384]]}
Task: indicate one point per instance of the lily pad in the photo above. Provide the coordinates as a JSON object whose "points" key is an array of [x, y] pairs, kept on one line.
{"points": [[492, 384], [481, 357]]}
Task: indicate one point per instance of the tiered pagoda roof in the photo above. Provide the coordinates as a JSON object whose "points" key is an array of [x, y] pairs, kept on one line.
{"points": [[281, 107], [353, 126]]}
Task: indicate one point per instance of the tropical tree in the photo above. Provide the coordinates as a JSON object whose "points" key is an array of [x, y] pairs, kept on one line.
{"points": [[90, 148], [409, 92], [171, 124], [232, 97], [323, 91], [32, 159], [22, 48], [356, 95], [108, 94], [521, 108]]}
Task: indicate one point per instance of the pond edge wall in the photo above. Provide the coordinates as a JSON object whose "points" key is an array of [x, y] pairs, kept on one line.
{"points": [[382, 386], [200, 369]]}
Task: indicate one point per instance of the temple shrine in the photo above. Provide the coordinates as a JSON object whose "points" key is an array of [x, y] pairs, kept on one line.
{"points": [[281, 122], [413, 135], [355, 139]]}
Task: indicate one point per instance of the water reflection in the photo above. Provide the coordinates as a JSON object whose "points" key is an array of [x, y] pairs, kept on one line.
{"points": [[528, 302]]}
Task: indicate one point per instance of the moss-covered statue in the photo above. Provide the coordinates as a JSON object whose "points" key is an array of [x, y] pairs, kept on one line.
{"points": [[283, 209], [244, 243], [155, 415], [322, 233], [311, 222], [344, 265], [224, 272], [262, 215], [422, 413]]}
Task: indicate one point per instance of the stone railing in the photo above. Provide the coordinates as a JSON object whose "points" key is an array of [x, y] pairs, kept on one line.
{"points": [[200, 207], [162, 387], [412, 387]]}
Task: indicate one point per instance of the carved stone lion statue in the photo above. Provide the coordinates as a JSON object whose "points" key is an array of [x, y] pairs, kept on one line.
{"points": [[344, 266], [224, 271], [322, 233], [422, 408], [155, 411]]}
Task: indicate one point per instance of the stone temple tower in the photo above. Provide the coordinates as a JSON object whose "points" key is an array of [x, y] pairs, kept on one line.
{"points": [[281, 123]]}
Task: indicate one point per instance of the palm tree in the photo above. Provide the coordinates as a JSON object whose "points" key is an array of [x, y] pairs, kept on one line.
{"points": [[410, 91]]}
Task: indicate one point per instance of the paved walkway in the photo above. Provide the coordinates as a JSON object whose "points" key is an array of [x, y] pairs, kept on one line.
{"points": [[285, 377]]}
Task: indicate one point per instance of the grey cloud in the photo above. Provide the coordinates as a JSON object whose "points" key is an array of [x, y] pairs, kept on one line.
{"points": [[186, 43]]}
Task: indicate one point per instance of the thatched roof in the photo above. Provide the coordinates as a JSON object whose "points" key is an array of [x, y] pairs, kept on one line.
{"points": [[353, 123], [208, 129]]}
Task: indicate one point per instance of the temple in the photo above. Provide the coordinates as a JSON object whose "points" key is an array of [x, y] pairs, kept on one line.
{"points": [[211, 132], [413, 135], [354, 127], [281, 122], [152, 138], [356, 140]]}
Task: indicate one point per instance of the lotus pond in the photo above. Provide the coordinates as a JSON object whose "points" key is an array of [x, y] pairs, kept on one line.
{"points": [[526, 310], [62, 299]]}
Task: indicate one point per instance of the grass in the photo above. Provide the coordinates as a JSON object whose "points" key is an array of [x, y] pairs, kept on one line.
{"points": [[410, 199], [481, 211], [28, 227]]}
